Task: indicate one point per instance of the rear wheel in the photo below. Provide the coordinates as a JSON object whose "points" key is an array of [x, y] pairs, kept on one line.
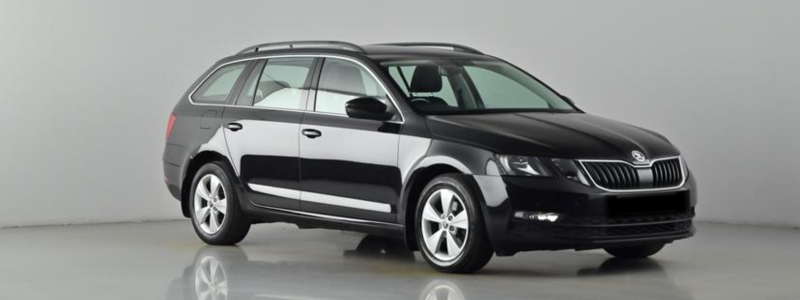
{"points": [[449, 227], [214, 206], [635, 252]]}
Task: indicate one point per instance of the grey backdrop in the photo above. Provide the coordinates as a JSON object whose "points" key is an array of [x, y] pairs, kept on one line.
{"points": [[87, 86]]}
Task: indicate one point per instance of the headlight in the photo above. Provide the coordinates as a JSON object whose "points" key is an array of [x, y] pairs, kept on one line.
{"points": [[685, 167], [570, 170], [518, 165]]}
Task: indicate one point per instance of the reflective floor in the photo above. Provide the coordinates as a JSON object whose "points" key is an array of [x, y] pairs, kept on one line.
{"points": [[278, 261]]}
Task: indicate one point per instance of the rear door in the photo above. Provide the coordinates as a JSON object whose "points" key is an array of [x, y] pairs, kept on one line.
{"points": [[348, 166], [262, 130]]}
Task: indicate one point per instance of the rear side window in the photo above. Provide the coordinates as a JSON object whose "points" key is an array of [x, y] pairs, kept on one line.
{"points": [[218, 86], [247, 94], [281, 83]]}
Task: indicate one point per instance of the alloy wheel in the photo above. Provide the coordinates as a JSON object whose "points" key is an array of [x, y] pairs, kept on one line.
{"points": [[210, 204], [445, 225]]}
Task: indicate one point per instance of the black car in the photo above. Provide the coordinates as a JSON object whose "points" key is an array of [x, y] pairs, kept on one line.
{"points": [[461, 154]]}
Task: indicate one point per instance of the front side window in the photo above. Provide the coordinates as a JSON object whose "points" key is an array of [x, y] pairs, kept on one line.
{"points": [[218, 86], [342, 81], [280, 83], [463, 86]]}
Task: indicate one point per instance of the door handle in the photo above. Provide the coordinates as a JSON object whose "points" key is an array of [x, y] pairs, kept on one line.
{"points": [[234, 126], [312, 133]]}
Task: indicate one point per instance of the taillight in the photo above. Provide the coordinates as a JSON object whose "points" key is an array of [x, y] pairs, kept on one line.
{"points": [[169, 124]]}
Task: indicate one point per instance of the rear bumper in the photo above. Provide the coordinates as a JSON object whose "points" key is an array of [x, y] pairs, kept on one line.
{"points": [[172, 175], [589, 218], [173, 159]]}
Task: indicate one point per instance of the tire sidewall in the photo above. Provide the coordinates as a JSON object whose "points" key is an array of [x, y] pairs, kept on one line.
{"points": [[232, 197], [473, 211]]}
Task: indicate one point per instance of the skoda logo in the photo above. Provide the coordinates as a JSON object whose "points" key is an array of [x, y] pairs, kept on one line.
{"points": [[638, 156]]}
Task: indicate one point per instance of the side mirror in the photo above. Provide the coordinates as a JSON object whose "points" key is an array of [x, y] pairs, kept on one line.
{"points": [[367, 108], [568, 100]]}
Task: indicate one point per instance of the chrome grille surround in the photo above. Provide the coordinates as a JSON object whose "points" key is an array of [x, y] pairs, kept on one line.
{"points": [[662, 169]]}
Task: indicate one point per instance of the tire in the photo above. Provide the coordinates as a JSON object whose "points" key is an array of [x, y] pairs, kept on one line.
{"points": [[224, 205], [635, 252], [470, 249]]}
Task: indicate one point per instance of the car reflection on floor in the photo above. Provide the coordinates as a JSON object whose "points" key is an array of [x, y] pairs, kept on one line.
{"points": [[222, 273]]}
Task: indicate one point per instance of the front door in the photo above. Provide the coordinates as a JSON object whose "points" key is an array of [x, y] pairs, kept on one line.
{"points": [[348, 167], [262, 130]]}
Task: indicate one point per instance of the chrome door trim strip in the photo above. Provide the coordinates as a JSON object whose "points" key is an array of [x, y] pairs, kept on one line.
{"points": [[321, 198], [650, 165], [362, 65], [345, 202], [275, 191]]}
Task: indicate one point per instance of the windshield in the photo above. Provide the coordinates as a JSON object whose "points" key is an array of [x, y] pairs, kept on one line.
{"points": [[463, 86]]}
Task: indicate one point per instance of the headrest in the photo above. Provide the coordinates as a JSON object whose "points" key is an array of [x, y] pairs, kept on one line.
{"points": [[426, 79]]}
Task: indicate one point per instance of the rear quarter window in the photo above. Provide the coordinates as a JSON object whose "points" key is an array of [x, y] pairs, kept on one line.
{"points": [[218, 86]]}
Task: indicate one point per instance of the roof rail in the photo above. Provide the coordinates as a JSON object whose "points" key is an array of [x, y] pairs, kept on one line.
{"points": [[455, 47], [292, 44]]}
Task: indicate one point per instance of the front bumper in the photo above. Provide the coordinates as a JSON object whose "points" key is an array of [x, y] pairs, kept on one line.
{"points": [[589, 218]]}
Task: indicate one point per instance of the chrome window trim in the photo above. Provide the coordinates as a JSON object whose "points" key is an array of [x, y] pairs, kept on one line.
{"points": [[362, 65], [641, 166]]}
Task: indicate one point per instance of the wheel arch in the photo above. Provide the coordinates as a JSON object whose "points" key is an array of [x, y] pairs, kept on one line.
{"points": [[194, 164], [413, 190], [442, 157]]}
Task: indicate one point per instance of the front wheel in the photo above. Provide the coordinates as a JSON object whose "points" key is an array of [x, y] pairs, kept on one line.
{"points": [[214, 206], [449, 227], [635, 252]]}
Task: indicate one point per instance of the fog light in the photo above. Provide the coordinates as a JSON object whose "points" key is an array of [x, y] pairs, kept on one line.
{"points": [[537, 216]]}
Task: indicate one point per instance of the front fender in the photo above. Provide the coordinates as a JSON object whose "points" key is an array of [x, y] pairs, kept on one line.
{"points": [[477, 165]]}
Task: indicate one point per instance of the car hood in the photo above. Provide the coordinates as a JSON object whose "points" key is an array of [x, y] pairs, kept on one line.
{"points": [[564, 135]]}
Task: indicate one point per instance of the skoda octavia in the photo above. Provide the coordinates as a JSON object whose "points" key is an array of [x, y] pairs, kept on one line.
{"points": [[458, 153]]}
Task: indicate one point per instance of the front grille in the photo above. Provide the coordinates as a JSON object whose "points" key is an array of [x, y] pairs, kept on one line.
{"points": [[613, 175], [654, 229], [620, 175], [628, 220], [667, 173]]}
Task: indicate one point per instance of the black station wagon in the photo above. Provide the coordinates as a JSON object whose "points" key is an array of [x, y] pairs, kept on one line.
{"points": [[458, 153]]}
